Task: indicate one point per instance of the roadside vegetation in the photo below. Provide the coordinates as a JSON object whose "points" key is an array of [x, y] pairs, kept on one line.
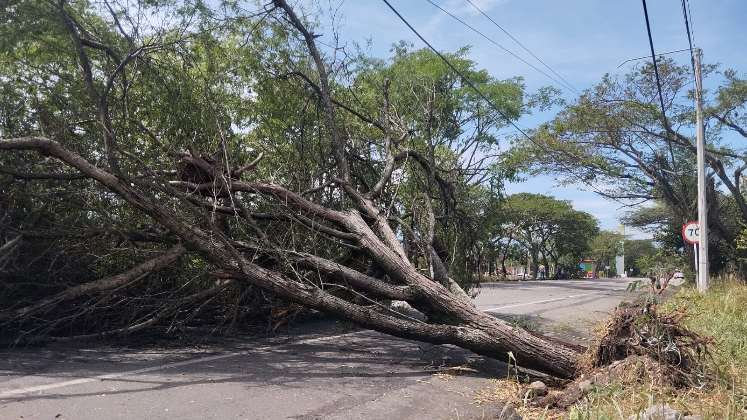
{"points": [[720, 316]]}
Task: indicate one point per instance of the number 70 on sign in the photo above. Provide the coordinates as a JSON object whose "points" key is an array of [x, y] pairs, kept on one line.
{"points": [[691, 232]]}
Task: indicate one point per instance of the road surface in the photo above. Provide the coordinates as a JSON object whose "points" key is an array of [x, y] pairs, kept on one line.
{"points": [[566, 309], [330, 374]]}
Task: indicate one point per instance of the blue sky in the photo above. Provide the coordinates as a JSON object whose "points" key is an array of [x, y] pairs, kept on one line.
{"points": [[581, 40]]}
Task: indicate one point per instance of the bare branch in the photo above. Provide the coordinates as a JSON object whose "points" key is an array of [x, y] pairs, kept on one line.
{"points": [[338, 104], [108, 283], [237, 173], [338, 145], [722, 119], [352, 277], [7, 248], [160, 315], [42, 175], [386, 174]]}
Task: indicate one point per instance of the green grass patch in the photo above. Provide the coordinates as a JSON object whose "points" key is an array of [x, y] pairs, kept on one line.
{"points": [[721, 313]]}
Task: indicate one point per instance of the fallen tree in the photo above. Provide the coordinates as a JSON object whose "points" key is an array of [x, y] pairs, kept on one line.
{"points": [[124, 161], [451, 319]]}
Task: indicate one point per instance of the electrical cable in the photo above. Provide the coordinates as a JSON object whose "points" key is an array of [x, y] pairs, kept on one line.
{"points": [[482, 95], [658, 80], [689, 38], [525, 48], [689, 13], [470, 84], [688, 19], [464, 79], [565, 85]]}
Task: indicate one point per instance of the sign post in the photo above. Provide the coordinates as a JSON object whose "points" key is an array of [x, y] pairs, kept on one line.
{"points": [[691, 234]]}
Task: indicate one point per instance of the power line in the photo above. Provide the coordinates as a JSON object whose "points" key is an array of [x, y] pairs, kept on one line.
{"points": [[685, 11], [565, 85], [690, 14], [466, 80], [525, 48], [658, 81], [492, 105]]}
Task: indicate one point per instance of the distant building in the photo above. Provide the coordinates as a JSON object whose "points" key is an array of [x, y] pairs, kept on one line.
{"points": [[589, 267], [620, 265]]}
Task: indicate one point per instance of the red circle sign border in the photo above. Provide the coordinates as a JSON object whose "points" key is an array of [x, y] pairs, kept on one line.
{"points": [[685, 236]]}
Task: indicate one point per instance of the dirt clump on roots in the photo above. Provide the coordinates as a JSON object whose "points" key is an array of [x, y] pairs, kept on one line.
{"points": [[639, 346]]}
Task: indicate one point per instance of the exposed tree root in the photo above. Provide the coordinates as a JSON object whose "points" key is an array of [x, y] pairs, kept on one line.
{"points": [[639, 330], [639, 346]]}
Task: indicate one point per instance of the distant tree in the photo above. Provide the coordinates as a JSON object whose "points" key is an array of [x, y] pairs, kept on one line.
{"points": [[574, 239], [605, 247], [546, 228], [635, 250], [614, 140]]}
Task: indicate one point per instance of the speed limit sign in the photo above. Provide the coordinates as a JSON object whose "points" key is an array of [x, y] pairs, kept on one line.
{"points": [[691, 232]]}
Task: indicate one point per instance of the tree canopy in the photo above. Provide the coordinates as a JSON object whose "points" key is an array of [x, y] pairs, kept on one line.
{"points": [[548, 230], [614, 140]]}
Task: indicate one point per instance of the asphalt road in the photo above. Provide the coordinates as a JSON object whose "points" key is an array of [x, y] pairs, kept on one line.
{"points": [[330, 374], [567, 309], [358, 375]]}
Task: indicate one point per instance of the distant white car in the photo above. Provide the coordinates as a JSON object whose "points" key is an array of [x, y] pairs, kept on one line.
{"points": [[678, 275]]}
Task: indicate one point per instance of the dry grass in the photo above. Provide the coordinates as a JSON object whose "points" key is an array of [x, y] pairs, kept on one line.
{"points": [[714, 323], [508, 391], [719, 391], [721, 313]]}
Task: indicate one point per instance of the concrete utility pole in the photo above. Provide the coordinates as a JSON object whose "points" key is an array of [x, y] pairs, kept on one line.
{"points": [[701, 256], [620, 260], [702, 204]]}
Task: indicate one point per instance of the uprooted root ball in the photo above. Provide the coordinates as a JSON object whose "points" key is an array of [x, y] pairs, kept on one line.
{"points": [[638, 346], [639, 330]]}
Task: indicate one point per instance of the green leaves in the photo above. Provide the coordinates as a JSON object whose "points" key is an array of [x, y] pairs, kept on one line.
{"points": [[613, 140], [549, 227]]}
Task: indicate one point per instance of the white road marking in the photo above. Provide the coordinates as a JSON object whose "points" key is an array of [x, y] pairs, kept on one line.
{"points": [[549, 300], [40, 388]]}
